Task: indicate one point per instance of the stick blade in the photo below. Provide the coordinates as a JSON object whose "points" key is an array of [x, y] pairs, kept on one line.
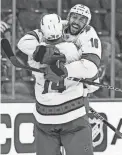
{"points": [[7, 48], [9, 53], [16, 62]]}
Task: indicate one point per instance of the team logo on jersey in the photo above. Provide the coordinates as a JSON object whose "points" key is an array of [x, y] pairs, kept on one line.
{"points": [[99, 133]]}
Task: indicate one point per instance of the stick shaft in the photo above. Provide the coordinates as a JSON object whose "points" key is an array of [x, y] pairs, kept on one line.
{"points": [[98, 116]]}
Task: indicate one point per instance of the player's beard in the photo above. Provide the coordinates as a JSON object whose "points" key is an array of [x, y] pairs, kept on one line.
{"points": [[75, 29]]}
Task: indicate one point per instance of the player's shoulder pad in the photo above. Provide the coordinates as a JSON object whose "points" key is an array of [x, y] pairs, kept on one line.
{"points": [[90, 31]]}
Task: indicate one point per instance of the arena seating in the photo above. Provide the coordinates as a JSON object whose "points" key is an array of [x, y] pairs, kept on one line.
{"points": [[28, 15], [89, 3], [107, 4], [28, 4], [118, 26], [118, 21], [50, 5], [119, 4], [6, 5], [29, 20]]}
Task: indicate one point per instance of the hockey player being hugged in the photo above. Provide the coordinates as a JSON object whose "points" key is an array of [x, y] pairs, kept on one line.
{"points": [[60, 109]]}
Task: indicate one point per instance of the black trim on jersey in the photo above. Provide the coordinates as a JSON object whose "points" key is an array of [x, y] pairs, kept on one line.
{"points": [[60, 109], [93, 78], [33, 33], [39, 53]]}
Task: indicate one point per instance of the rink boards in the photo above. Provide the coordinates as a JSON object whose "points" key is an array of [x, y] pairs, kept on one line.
{"points": [[16, 128]]}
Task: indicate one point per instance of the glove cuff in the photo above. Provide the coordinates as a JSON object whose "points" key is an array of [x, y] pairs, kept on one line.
{"points": [[39, 53], [57, 70]]}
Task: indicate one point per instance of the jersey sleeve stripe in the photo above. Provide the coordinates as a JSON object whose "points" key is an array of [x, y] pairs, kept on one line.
{"points": [[33, 33], [92, 57], [93, 78]]}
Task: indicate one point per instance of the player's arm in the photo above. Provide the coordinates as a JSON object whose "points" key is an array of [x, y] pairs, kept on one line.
{"points": [[87, 66], [28, 43]]}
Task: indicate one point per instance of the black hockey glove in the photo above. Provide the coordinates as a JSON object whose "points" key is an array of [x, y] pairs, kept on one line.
{"points": [[55, 73], [48, 55]]}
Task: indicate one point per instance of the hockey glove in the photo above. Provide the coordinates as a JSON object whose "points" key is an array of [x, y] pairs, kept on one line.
{"points": [[54, 73], [48, 55]]}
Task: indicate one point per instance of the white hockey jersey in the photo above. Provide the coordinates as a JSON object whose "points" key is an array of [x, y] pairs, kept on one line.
{"points": [[82, 60]]}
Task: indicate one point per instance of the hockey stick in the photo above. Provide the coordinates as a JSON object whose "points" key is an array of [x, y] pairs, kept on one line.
{"points": [[12, 57], [97, 115], [9, 53], [8, 50], [94, 83]]}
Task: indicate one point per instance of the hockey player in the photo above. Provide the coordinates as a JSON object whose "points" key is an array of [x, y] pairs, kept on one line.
{"points": [[84, 36], [60, 109]]}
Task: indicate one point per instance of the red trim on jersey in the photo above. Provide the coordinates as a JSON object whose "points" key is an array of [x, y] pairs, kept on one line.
{"points": [[92, 57]]}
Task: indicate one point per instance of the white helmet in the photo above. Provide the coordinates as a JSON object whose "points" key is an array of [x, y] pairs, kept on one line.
{"points": [[82, 10], [51, 26]]}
